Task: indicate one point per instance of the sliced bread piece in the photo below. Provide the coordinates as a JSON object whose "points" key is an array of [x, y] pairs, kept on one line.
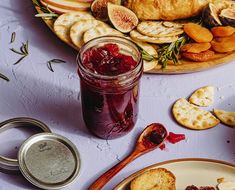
{"points": [[155, 179]]}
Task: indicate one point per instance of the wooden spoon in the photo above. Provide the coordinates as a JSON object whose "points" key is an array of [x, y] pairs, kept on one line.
{"points": [[151, 138]]}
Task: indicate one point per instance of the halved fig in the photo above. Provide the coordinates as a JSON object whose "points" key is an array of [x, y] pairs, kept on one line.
{"points": [[210, 16], [122, 18], [227, 17], [99, 8]]}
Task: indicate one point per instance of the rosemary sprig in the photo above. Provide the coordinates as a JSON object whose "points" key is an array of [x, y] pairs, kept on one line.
{"points": [[171, 51], [49, 63], [4, 77], [13, 37], [47, 13], [146, 56], [23, 51]]}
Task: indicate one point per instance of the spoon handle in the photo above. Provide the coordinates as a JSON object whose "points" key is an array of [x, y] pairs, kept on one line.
{"points": [[103, 179]]}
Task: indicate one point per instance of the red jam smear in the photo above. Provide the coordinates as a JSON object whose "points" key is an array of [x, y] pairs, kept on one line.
{"points": [[175, 138], [108, 115], [155, 137], [193, 187], [107, 60]]}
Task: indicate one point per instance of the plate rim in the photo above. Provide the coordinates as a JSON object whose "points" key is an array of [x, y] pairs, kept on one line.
{"points": [[172, 161]]}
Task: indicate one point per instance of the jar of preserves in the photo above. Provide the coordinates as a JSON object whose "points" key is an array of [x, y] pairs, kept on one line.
{"points": [[110, 69]]}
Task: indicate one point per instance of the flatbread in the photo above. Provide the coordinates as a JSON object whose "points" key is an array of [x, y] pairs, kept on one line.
{"points": [[79, 28], [193, 117], [228, 118], [154, 179], [64, 22], [203, 96]]}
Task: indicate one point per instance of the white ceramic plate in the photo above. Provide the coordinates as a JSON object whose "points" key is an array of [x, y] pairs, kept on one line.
{"points": [[195, 171]]}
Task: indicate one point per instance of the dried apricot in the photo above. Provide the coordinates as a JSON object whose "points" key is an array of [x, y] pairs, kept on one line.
{"points": [[222, 31], [199, 57], [195, 47], [198, 33], [224, 45]]}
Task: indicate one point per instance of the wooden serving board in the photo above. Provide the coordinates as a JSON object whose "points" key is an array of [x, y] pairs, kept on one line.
{"points": [[185, 66]]}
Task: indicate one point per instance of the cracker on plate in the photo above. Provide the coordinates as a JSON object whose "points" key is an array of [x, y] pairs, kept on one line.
{"points": [[64, 22], [154, 179], [193, 117], [203, 96], [158, 29], [99, 31], [157, 40], [79, 28], [228, 118]]}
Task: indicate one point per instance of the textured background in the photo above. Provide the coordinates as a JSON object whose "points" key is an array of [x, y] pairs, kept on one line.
{"points": [[53, 98]]}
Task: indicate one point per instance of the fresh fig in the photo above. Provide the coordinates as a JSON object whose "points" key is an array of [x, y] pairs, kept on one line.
{"points": [[227, 17], [122, 18], [210, 16], [99, 8]]}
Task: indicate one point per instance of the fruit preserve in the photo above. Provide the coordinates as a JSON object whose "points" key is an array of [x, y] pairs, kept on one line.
{"points": [[110, 69]]}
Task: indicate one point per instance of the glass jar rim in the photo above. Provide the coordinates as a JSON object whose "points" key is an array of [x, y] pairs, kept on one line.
{"points": [[117, 39]]}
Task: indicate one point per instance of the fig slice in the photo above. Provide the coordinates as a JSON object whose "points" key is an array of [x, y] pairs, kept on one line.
{"points": [[227, 17], [99, 8], [122, 18]]}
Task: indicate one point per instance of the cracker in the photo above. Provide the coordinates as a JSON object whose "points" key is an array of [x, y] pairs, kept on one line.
{"points": [[203, 96], [161, 40], [99, 31], [159, 29], [79, 28], [193, 117], [228, 118], [64, 22], [154, 179]]}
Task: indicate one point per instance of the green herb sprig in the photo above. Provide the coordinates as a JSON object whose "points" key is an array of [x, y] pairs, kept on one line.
{"points": [[24, 51], [146, 56], [2, 76], [170, 52], [49, 63], [13, 37], [47, 13]]}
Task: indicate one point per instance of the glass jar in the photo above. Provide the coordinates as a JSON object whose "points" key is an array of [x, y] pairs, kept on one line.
{"points": [[110, 103]]}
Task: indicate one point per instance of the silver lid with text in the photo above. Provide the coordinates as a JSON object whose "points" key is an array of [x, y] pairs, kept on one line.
{"points": [[49, 161]]}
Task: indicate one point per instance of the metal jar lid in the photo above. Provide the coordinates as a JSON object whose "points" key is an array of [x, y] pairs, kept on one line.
{"points": [[49, 161], [9, 165]]}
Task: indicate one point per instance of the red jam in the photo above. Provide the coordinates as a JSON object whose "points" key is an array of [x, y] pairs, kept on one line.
{"points": [[155, 137], [109, 107], [174, 138], [192, 187], [107, 60]]}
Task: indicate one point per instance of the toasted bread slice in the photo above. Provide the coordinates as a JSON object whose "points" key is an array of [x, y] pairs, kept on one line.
{"points": [[228, 118], [155, 179]]}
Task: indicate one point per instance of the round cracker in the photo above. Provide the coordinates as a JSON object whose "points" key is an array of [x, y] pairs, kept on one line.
{"points": [[158, 29], [161, 40], [64, 22], [79, 28], [228, 118], [193, 117], [98, 31], [203, 96]]}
